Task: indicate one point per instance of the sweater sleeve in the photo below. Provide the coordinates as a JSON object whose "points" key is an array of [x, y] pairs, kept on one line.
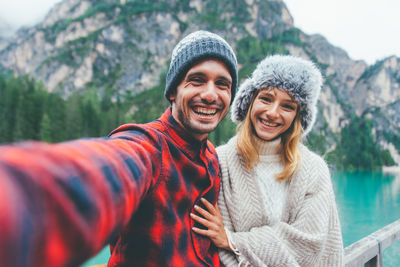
{"points": [[302, 241], [61, 203]]}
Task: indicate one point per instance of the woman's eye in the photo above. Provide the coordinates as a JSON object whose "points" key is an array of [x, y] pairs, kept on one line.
{"points": [[266, 99], [289, 107]]}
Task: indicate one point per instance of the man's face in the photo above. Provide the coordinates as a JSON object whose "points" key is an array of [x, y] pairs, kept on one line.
{"points": [[202, 99]]}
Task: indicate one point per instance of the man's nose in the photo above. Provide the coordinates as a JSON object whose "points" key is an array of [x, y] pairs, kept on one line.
{"points": [[209, 93]]}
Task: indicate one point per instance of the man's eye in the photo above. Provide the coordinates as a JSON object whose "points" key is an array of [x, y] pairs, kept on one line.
{"points": [[222, 84], [196, 80]]}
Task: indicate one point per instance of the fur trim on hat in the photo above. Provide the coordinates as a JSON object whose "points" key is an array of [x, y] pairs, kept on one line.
{"points": [[299, 77]]}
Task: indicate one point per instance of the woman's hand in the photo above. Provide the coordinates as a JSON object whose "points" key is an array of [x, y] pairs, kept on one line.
{"points": [[211, 219]]}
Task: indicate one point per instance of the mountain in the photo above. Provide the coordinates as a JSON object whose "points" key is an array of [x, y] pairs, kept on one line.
{"points": [[125, 46]]}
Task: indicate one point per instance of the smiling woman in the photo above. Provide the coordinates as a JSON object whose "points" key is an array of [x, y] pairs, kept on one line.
{"points": [[276, 205]]}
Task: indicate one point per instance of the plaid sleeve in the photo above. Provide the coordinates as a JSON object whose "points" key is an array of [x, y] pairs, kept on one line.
{"points": [[61, 203]]}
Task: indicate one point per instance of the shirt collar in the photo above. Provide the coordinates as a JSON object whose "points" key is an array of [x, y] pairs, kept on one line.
{"points": [[181, 136]]}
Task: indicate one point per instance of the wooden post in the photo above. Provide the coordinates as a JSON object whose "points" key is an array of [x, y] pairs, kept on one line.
{"points": [[375, 261]]}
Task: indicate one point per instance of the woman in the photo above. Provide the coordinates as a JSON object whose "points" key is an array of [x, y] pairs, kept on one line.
{"points": [[276, 205]]}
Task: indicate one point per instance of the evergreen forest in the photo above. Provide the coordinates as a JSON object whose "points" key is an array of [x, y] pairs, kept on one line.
{"points": [[29, 112]]}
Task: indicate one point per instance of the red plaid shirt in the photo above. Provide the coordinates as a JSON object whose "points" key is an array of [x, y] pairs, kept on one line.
{"points": [[61, 203]]}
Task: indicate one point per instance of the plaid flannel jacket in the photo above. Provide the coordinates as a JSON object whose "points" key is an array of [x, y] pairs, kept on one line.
{"points": [[61, 203]]}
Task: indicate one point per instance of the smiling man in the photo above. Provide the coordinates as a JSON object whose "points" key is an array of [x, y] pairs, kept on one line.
{"points": [[202, 99], [61, 203]]}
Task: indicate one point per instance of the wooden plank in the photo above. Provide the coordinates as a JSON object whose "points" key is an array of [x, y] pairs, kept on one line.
{"points": [[388, 235], [361, 252]]}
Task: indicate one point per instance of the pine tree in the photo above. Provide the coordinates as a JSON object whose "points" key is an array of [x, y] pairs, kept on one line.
{"points": [[56, 112], [29, 110], [73, 118], [91, 114], [45, 129], [9, 100]]}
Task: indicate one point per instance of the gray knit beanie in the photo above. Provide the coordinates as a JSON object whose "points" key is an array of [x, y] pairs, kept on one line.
{"points": [[299, 77], [192, 49]]}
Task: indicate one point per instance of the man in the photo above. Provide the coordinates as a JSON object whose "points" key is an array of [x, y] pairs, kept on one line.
{"points": [[61, 203]]}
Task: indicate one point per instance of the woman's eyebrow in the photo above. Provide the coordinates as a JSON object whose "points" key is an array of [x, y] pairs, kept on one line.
{"points": [[266, 93]]}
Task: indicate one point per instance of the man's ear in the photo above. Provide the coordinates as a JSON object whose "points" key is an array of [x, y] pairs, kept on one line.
{"points": [[172, 96]]}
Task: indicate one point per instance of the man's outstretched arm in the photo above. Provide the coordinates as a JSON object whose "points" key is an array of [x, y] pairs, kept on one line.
{"points": [[61, 203]]}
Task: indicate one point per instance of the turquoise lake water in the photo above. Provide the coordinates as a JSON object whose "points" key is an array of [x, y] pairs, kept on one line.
{"points": [[366, 202]]}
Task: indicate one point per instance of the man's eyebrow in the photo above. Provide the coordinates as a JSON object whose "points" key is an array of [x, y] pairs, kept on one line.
{"points": [[189, 75], [225, 78], [199, 73]]}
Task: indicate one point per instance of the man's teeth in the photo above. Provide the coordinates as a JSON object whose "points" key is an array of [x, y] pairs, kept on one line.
{"points": [[205, 111], [269, 123]]}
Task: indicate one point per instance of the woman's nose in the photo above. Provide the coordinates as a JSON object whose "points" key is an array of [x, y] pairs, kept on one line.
{"points": [[273, 110]]}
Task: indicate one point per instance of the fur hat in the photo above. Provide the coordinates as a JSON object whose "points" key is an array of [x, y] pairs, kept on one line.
{"points": [[194, 48], [299, 77]]}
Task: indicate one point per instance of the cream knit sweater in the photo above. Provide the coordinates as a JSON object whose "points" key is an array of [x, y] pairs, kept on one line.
{"points": [[273, 192], [308, 233]]}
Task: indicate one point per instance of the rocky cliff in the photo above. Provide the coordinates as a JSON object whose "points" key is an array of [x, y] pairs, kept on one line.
{"points": [[125, 45]]}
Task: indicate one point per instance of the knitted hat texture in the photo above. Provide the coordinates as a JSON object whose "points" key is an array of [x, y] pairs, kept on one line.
{"points": [[195, 47], [299, 77]]}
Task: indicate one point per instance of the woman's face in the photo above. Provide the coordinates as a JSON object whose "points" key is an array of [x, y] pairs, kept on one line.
{"points": [[272, 113]]}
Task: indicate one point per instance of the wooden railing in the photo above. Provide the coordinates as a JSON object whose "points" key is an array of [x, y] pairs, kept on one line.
{"points": [[368, 251]]}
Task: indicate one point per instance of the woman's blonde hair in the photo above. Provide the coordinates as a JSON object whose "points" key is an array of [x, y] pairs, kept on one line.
{"points": [[290, 139]]}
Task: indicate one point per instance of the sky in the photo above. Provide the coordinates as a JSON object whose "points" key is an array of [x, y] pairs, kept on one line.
{"points": [[366, 29], [24, 12]]}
